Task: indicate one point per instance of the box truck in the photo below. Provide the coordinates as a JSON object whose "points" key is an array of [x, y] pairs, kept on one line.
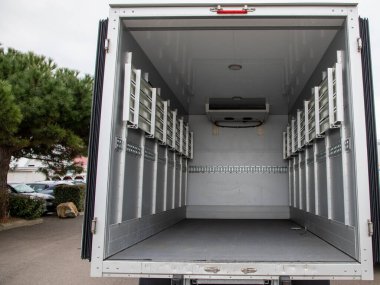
{"points": [[232, 143]]}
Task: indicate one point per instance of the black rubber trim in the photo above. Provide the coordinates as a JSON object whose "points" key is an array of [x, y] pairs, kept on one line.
{"points": [[371, 137], [94, 141]]}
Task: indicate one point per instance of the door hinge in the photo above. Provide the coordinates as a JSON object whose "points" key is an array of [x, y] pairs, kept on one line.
{"points": [[360, 44], [93, 225], [177, 280], [107, 45], [249, 270], [285, 280], [212, 269], [370, 228]]}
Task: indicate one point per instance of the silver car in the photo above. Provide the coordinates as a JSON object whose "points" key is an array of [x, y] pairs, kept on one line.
{"points": [[23, 189]]}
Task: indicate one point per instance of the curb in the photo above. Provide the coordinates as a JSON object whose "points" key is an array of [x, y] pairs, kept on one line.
{"points": [[20, 223]]}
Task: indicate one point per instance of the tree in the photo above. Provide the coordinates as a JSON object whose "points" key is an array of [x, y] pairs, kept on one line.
{"points": [[44, 113]]}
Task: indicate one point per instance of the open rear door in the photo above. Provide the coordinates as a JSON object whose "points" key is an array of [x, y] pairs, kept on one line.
{"points": [[371, 137], [94, 141]]}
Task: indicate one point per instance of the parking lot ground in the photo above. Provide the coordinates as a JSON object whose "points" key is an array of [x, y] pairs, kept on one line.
{"points": [[13, 223], [47, 254]]}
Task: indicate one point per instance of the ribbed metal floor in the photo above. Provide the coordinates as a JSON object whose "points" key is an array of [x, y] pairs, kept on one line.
{"points": [[234, 241]]}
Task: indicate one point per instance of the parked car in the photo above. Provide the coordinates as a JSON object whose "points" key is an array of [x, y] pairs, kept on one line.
{"points": [[48, 188], [79, 182], [24, 189], [41, 186]]}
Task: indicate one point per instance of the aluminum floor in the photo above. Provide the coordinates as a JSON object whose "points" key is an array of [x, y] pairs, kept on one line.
{"points": [[234, 241]]}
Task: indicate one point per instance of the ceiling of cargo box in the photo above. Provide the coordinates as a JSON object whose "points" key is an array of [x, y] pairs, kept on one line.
{"points": [[277, 56]]}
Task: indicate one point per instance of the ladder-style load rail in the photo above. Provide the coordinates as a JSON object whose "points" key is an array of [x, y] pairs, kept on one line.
{"points": [[307, 122], [284, 145], [182, 142], [191, 145], [300, 129], [293, 127], [331, 97], [146, 106], [160, 118], [144, 109], [288, 142], [322, 112], [186, 139], [172, 118], [178, 128], [131, 100], [336, 95]]}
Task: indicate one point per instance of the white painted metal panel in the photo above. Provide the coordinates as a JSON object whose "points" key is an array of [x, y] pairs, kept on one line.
{"points": [[359, 144], [260, 147], [227, 270], [105, 139], [297, 271]]}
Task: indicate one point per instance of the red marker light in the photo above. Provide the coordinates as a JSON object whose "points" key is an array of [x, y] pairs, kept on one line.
{"points": [[232, 12]]}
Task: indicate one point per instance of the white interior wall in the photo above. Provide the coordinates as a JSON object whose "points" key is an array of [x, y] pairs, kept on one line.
{"points": [[331, 211], [237, 195]]}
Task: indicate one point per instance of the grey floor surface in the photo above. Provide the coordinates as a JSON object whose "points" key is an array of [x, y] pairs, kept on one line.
{"points": [[234, 240]]}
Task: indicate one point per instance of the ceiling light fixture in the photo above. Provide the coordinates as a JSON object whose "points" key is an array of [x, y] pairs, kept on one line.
{"points": [[235, 67]]}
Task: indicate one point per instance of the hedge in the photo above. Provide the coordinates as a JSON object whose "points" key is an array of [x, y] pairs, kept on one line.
{"points": [[70, 193], [26, 207]]}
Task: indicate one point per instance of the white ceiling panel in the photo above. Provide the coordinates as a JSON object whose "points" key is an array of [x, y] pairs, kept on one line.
{"points": [[232, 23], [276, 64]]}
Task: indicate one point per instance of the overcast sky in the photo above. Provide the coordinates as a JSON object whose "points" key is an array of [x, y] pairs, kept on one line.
{"points": [[66, 31]]}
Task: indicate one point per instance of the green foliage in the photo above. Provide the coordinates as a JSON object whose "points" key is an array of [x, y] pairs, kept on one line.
{"points": [[44, 112], [70, 193], [9, 111], [47, 108], [26, 207]]}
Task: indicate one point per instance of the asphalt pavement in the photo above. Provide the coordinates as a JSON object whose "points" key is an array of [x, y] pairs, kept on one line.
{"points": [[47, 254]]}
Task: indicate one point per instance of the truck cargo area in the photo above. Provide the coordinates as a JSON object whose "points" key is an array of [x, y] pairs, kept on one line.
{"points": [[180, 197], [220, 240], [231, 145]]}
